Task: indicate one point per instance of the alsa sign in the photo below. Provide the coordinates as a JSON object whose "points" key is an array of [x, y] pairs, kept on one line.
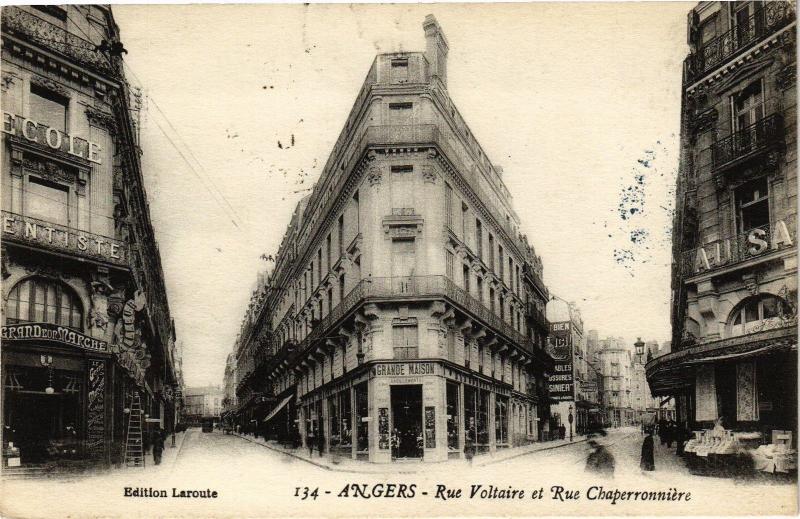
{"points": [[51, 332], [53, 138], [755, 243]]}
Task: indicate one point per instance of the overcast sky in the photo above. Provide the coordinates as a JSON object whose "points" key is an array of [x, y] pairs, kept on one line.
{"points": [[578, 102]]}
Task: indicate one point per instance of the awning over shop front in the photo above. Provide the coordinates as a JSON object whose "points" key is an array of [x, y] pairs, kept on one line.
{"points": [[278, 408]]}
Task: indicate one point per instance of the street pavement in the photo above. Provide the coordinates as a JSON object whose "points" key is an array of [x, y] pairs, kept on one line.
{"points": [[254, 481]]}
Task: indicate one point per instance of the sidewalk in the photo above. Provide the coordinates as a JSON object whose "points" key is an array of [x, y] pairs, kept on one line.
{"points": [[168, 457], [342, 464]]}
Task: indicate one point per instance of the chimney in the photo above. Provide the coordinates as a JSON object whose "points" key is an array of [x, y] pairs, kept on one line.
{"points": [[436, 48]]}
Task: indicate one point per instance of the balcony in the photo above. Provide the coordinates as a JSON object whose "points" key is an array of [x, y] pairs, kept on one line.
{"points": [[61, 239], [752, 245], [29, 27], [747, 143], [414, 287], [767, 20]]}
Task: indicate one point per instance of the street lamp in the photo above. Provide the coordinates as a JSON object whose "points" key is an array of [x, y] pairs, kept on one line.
{"points": [[569, 418], [639, 345]]}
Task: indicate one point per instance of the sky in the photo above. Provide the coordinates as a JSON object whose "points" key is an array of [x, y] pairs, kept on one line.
{"points": [[578, 102]]}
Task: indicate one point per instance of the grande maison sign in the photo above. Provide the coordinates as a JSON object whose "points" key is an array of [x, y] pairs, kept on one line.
{"points": [[53, 138], [25, 230], [53, 333]]}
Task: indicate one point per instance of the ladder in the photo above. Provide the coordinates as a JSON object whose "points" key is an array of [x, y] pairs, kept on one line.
{"points": [[134, 447]]}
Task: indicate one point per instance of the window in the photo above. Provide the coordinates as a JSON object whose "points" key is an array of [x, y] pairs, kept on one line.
{"points": [[451, 344], [758, 313], [48, 108], [400, 106], [402, 189], [752, 205], [340, 235], [404, 341], [511, 273], [41, 300], [448, 204], [47, 201], [449, 261], [502, 260], [748, 108], [55, 11], [341, 287], [491, 252], [319, 266], [464, 224], [400, 70], [466, 279], [502, 308], [328, 251], [491, 299], [479, 238], [403, 258], [480, 289]]}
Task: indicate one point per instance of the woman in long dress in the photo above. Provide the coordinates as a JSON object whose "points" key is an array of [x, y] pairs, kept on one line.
{"points": [[648, 460]]}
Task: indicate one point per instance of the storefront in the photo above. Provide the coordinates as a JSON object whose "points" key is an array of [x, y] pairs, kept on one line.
{"points": [[56, 396], [429, 411]]}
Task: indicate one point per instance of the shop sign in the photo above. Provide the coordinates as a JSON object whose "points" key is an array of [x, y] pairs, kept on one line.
{"points": [[51, 332], [404, 369], [39, 133], [28, 230], [560, 382], [742, 247]]}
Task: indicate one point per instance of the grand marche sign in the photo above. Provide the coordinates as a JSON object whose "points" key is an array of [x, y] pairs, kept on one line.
{"points": [[53, 333]]}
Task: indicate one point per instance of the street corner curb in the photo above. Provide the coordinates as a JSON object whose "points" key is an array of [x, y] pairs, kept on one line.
{"points": [[520, 454], [290, 454]]}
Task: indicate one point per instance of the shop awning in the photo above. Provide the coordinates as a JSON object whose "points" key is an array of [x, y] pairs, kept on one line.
{"points": [[278, 408]]}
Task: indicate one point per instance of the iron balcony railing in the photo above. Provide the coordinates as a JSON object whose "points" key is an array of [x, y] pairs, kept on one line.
{"points": [[63, 239], [747, 142], [726, 252], [767, 19], [26, 25], [413, 287]]}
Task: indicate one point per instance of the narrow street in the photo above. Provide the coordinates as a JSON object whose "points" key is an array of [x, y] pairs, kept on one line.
{"points": [[255, 480]]}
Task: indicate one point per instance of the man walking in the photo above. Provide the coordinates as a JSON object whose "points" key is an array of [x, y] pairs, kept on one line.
{"points": [[158, 446]]}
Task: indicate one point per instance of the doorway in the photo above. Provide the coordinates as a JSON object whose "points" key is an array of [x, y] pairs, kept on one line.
{"points": [[407, 422]]}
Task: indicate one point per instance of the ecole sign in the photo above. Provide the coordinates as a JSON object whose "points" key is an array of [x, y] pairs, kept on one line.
{"points": [[51, 332], [51, 137]]}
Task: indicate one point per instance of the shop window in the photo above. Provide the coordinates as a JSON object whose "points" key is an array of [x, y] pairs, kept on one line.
{"points": [[759, 313], [44, 301], [452, 416], [334, 421], [48, 108], [404, 341], [362, 412], [47, 201], [752, 205]]}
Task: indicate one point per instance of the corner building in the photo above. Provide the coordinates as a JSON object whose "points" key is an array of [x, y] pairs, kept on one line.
{"points": [[734, 275], [404, 318], [85, 319]]}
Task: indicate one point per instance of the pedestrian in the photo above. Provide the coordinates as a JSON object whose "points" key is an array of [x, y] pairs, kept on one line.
{"points": [[158, 446], [600, 461], [648, 460], [310, 442], [670, 433], [662, 431], [680, 438], [321, 443]]}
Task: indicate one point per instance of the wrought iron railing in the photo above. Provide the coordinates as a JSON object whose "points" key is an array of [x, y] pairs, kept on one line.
{"points": [[26, 25], [741, 247], [63, 239], [750, 140], [766, 20]]}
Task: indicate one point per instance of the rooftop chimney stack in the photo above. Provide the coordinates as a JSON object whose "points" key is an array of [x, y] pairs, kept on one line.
{"points": [[436, 48]]}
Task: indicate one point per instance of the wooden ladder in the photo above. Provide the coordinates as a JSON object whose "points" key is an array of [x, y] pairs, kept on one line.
{"points": [[134, 446]]}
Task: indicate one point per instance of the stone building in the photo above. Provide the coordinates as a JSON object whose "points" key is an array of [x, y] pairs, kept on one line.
{"points": [[205, 402], [615, 363], [734, 277], [404, 317], [86, 322]]}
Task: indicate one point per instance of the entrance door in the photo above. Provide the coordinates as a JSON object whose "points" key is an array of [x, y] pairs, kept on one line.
{"points": [[406, 422]]}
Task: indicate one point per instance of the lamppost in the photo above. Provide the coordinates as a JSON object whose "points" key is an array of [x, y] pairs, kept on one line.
{"points": [[569, 418], [639, 345]]}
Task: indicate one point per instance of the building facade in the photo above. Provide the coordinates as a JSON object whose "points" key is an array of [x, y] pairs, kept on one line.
{"points": [[615, 362], [202, 403], [86, 324], [734, 277], [404, 317]]}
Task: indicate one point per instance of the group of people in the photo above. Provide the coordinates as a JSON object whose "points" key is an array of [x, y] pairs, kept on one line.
{"points": [[669, 432]]}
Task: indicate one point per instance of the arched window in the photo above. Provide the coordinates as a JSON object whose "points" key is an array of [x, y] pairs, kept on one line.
{"points": [[41, 300], [758, 313]]}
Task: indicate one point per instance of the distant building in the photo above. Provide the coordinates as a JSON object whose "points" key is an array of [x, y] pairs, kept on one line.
{"points": [[615, 361], [202, 402]]}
